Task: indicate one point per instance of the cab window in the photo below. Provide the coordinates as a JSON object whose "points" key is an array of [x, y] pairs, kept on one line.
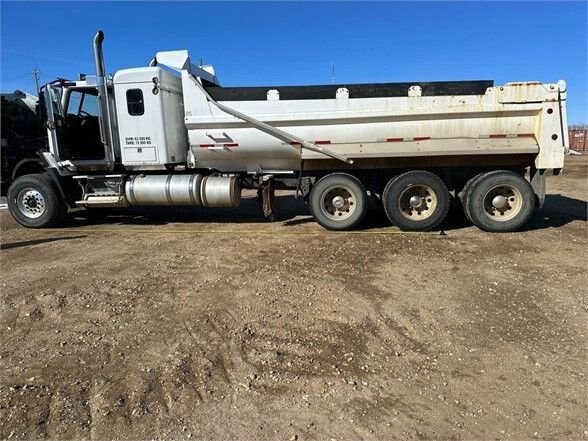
{"points": [[135, 105], [73, 105], [90, 105], [82, 104]]}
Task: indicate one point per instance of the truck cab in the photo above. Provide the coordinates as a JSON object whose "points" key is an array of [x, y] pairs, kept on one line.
{"points": [[144, 119]]}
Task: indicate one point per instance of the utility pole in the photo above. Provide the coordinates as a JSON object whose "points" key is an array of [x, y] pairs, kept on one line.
{"points": [[36, 75]]}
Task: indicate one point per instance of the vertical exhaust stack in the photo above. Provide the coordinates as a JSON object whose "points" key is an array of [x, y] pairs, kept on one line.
{"points": [[103, 106]]}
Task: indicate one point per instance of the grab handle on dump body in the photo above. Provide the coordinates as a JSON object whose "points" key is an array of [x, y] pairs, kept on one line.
{"points": [[266, 128]]}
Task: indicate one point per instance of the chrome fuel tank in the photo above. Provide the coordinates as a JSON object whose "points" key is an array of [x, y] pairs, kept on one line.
{"points": [[196, 190]]}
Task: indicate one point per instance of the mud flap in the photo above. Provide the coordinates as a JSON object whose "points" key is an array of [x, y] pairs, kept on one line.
{"points": [[538, 184], [265, 199]]}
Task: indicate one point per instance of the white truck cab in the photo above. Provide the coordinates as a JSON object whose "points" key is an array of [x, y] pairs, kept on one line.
{"points": [[150, 113]]}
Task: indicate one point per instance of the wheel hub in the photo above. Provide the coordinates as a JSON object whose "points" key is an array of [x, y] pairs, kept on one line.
{"points": [[503, 202], [499, 202], [31, 203], [338, 202], [415, 201]]}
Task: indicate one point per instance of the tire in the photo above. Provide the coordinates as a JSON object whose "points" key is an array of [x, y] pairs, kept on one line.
{"points": [[431, 195], [465, 194], [34, 202], [467, 191], [63, 210], [335, 189], [516, 201]]}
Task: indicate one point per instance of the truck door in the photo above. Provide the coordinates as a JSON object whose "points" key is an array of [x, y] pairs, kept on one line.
{"points": [[73, 123], [51, 104], [82, 135]]}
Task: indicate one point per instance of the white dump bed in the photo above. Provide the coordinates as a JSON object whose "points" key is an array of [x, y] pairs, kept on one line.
{"points": [[357, 122]]}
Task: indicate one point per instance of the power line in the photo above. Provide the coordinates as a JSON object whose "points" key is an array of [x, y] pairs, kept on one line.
{"points": [[16, 77]]}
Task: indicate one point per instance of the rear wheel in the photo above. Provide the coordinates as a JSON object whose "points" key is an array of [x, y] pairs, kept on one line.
{"points": [[338, 201], [416, 201], [466, 192], [34, 201], [500, 201]]}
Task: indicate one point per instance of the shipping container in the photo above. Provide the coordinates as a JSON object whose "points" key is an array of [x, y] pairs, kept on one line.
{"points": [[579, 139]]}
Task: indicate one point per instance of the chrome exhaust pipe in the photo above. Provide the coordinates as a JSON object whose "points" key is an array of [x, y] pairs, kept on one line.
{"points": [[98, 54], [103, 108]]}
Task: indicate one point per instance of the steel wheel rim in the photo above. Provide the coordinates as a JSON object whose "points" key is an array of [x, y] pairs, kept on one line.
{"points": [[338, 202], [417, 202], [512, 199], [31, 203]]}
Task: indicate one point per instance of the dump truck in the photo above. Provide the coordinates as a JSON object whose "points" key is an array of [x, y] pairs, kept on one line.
{"points": [[168, 134]]}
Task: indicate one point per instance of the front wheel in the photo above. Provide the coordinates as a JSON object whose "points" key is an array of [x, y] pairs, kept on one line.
{"points": [[338, 201], [500, 201], [34, 201]]}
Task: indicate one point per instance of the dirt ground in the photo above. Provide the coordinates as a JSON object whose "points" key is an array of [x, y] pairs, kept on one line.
{"points": [[216, 325]]}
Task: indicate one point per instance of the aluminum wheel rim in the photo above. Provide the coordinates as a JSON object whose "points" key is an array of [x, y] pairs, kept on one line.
{"points": [[513, 200], [338, 203], [417, 202], [31, 203]]}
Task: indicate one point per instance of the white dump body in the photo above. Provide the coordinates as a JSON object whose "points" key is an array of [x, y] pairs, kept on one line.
{"points": [[516, 118]]}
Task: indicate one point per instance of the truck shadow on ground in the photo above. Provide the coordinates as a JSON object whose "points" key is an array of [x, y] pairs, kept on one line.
{"points": [[27, 243], [287, 208], [558, 210]]}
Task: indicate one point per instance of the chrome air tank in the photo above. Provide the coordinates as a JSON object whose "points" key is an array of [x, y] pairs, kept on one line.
{"points": [[195, 190]]}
